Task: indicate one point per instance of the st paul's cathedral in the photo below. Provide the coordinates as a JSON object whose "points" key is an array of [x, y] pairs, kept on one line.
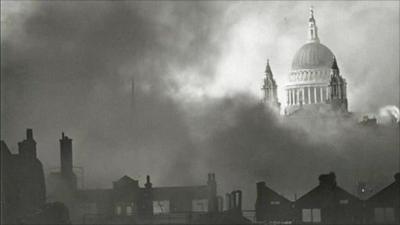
{"points": [[315, 85]]}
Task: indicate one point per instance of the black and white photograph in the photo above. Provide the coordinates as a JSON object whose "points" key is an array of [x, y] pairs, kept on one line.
{"points": [[179, 112]]}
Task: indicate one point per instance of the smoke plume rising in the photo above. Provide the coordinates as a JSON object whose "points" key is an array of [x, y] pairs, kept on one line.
{"points": [[197, 69]]}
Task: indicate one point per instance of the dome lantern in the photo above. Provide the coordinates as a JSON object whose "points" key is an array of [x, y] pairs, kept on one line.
{"points": [[312, 28]]}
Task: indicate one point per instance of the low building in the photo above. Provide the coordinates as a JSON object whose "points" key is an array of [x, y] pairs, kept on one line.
{"points": [[328, 204], [126, 201], [271, 207], [384, 206]]}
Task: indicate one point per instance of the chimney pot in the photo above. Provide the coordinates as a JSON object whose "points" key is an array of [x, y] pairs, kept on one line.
{"points": [[29, 133], [327, 179]]}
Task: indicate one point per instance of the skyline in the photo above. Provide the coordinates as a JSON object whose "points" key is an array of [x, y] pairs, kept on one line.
{"points": [[198, 69]]}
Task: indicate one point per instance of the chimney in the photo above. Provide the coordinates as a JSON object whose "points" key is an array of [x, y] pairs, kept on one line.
{"points": [[239, 202], [234, 200], [228, 201], [260, 189], [211, 181], [220, 202], [27, 147], [29, 134], [328, 180], [66, 155], [148, 184]]}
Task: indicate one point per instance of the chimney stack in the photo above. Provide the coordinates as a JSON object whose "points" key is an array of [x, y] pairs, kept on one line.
{"points": [[234, 200], [148, 183], [27, 147], [328, 180], [260, 188], [228, 201], [239, 201], [29, 134], [66, 155]]}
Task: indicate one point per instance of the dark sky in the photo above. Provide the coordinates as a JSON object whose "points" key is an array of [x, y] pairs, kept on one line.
{"points": [[197, 66]]}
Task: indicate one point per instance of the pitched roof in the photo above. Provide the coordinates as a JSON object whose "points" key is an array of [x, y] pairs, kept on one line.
{"points": [[274, 194], [391, 193], [322, 194]]}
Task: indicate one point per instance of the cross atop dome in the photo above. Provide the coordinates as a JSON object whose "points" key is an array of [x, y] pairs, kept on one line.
{"points": [[312, 27], [311, 14]]}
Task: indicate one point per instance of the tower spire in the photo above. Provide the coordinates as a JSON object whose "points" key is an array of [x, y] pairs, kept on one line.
{"points": [[268, 69], [312, 27], [334, 64]]}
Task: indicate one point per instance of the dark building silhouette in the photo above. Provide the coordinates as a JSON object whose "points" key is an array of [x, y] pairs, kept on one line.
{"points": [[128, 202], [328, 204], [22, 181], [271, 207], [384, 206]]}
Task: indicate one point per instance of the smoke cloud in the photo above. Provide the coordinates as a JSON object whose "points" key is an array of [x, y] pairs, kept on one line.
{"points": [[197, 69]]}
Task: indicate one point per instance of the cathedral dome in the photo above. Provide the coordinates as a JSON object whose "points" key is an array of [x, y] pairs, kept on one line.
{"points": [[313, 55]]}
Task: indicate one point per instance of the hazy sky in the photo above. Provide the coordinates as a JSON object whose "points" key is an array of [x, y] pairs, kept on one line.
{"points": [[198, 69]]}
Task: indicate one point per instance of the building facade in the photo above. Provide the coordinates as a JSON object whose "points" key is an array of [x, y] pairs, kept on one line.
{"points": [[271, 207], [384, 206], [328, 204]]}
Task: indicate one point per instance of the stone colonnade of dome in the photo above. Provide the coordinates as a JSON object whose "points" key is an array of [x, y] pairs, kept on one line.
{"points": [[308, 86]]}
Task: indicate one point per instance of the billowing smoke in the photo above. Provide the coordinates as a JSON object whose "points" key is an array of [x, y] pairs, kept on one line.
{"points": [[69, 65], [389, 114]]}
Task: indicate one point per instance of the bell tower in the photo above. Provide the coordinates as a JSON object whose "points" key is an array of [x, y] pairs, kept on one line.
{"points": [[337, 89], [269, 89]]}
